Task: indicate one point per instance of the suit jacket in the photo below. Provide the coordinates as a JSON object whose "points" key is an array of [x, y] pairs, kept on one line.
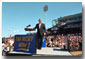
{"points": [[40, 30]]}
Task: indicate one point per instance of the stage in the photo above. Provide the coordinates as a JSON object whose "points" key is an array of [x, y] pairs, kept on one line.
{"points": [[46, 51]]}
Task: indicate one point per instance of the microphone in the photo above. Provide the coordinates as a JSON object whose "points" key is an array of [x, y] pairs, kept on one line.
{"points": [[29, 25]]}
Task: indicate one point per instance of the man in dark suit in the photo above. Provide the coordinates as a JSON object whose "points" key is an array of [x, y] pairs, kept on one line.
{"points": [[40, 33]]}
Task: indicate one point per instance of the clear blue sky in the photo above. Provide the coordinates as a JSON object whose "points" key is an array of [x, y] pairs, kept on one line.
{"points": [[17, 15]]}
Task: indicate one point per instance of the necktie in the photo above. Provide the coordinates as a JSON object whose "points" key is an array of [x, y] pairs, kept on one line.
{"points": [[39, 25]]}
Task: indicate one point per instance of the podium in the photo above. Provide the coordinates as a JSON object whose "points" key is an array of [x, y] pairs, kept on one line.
{"points": [[44, 39], [25, 43]]}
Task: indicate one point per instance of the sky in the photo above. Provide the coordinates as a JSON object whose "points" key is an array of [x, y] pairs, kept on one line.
{"points": [[17, 15]]}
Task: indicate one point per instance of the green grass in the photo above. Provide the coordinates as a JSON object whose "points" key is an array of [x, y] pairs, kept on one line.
{"points": [[79, 55]]}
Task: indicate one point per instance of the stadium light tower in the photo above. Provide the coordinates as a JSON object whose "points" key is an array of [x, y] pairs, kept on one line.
{"points": [[45, 9]]}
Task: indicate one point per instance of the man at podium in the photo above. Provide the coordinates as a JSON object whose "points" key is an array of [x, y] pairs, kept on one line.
{"points": [[41, 31]]}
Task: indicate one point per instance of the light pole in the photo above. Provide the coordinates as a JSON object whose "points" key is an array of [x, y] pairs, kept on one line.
{"points": [[45, 9]]}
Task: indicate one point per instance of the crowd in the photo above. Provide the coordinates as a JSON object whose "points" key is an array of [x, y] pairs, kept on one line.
{"points": [[75, 41], [70, 41], [7, 45]]}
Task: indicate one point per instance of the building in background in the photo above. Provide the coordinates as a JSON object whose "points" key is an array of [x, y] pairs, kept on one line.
{"points": [[67, 24]]}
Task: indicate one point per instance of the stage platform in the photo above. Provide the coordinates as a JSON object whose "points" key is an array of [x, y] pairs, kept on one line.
{"points": [[14, 53], [50, 51], [46, 51]]}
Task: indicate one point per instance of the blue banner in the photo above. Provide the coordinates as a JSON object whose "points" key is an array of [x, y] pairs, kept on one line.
{"points": [[25, 43], [44, 42]]}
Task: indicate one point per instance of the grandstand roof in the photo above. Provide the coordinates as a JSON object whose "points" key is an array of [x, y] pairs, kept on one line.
{"points": [[69, 17]]}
